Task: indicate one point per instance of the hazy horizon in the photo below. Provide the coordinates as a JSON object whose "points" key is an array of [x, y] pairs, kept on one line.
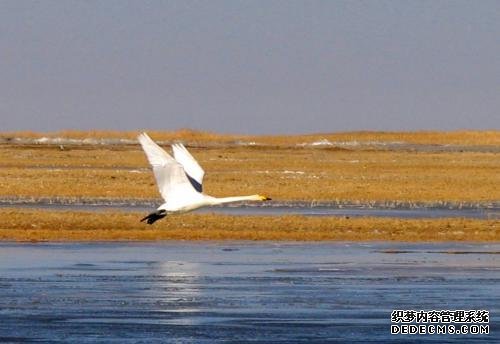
{"points": [[250, 67]]}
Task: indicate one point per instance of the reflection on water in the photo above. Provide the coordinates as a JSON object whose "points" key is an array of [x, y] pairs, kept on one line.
{"points": [[239, 292]]}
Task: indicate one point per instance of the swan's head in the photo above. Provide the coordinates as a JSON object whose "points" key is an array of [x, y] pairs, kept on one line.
{"points": [[264, 198]]}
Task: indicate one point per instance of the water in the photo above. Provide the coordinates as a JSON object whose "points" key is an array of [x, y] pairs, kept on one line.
{"points": [[417, 213], [183, 292]]}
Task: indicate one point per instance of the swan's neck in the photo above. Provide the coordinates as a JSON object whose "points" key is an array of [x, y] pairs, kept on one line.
{"points": [[222, 200]]}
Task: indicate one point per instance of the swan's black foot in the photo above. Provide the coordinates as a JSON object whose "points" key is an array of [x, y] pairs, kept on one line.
{"points": [[153, 217]]}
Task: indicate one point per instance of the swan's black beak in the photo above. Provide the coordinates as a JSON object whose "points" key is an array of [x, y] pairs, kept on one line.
{"points": [[153, 217]]}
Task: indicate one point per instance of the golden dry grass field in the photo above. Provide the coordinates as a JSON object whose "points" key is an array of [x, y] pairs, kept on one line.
{"points": [[284, 173], [34, 225], [284, 168]]}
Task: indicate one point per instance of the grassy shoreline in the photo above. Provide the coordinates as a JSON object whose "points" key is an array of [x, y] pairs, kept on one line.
{"points": [[38, 225]]}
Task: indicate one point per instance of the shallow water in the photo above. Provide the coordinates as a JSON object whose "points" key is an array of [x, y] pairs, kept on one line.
{"points": [[416, 213], [184, 292]]}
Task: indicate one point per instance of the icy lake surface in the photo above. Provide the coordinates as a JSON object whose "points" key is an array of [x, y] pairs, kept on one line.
{"points": [[206, 292]]}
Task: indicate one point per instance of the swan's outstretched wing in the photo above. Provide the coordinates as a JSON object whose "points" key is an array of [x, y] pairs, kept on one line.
{"points": [[193, 170], [169, 174]]}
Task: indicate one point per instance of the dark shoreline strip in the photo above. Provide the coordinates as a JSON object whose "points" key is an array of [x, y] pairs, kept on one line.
{"points": [[334, 204], [276, 209]]}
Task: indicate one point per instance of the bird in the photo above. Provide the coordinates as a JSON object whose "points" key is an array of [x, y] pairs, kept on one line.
{"points": [[180, 181]]}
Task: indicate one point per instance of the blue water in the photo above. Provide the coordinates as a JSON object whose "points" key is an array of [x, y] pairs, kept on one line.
{"points": [[184, 292]]}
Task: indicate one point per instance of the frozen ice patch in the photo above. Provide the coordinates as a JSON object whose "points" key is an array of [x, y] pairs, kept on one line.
{"points": [[293, 172], [322, 142]]}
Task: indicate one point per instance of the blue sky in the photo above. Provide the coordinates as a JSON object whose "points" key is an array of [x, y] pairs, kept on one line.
{"points": [[257, 67]]}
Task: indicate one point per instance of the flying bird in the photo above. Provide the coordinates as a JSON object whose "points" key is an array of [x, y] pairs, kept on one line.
{"points": [[180, 181]]}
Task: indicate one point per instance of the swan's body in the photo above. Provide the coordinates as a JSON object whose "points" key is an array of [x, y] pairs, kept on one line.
{"points": [[180, 181]]}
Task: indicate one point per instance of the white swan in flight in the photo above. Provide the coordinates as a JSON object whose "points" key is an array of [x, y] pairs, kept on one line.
{"points": [[180, 181]]}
